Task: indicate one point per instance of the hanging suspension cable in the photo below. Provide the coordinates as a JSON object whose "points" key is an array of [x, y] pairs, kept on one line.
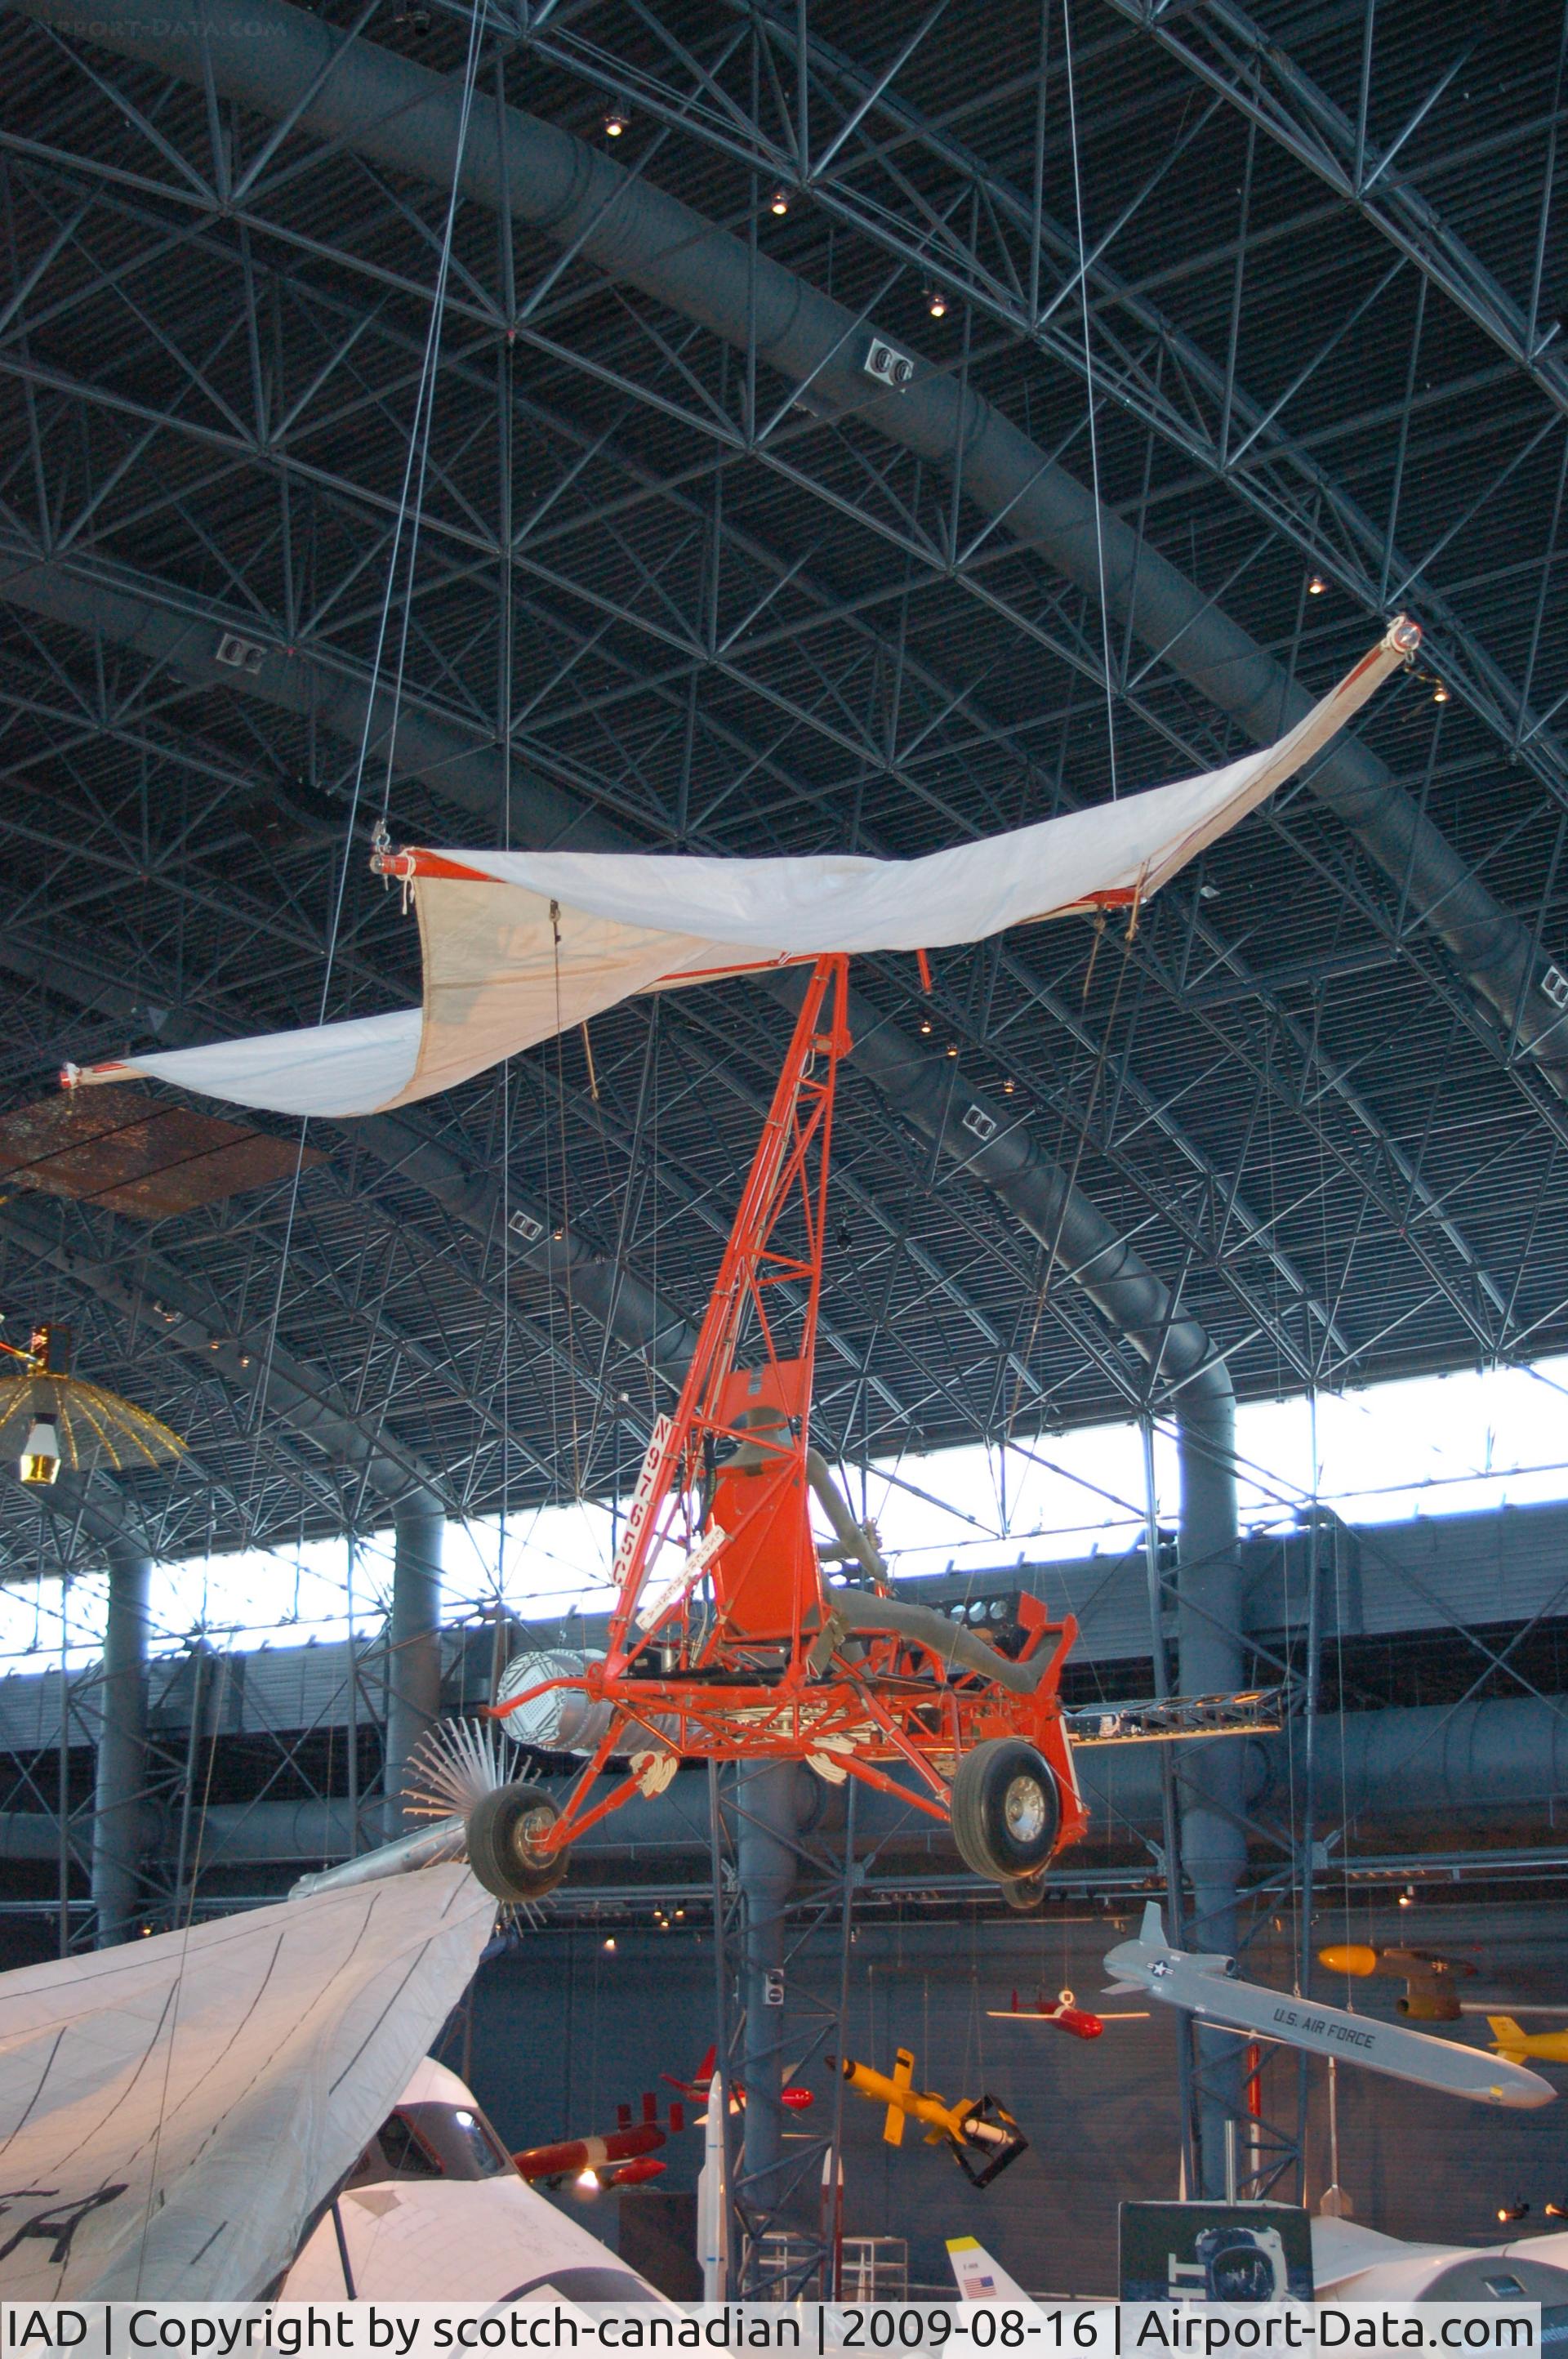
{"points": [[1089, 389], [414, 474]]}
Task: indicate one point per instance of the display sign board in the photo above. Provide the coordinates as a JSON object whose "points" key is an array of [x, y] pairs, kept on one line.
{"points": [[1215, 2252]]}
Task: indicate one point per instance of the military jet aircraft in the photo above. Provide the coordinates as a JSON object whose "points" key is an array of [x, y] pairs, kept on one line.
{"points": [[1208, 1986]]}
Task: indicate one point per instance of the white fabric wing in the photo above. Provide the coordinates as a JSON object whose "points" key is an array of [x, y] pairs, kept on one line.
{"points": [[520, 945], [174, 2112]]}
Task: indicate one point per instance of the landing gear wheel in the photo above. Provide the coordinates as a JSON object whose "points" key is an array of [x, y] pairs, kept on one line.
{"points": [[1006, 1812], [503, 1829]]}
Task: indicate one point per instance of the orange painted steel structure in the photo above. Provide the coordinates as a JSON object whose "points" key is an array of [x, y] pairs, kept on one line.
{"points": [[744, 1654]]}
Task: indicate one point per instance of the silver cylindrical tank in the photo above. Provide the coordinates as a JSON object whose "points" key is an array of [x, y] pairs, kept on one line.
{"points": [[565, 1720]]}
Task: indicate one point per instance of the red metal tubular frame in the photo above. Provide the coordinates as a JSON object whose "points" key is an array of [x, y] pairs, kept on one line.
{"points": [[740, 1656]]}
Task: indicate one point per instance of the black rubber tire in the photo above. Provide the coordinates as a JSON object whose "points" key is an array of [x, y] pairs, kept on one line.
{"points": [[1007, 1813], [500, 1853]]}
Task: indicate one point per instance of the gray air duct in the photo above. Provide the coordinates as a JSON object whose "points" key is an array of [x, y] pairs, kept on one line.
{"points": [[1467, 1774], [283, 63]]}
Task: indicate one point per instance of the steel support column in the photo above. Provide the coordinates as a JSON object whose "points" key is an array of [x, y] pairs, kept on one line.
{"points": [[117, 1821], [766, 1818], [414, 1653], [1209, 1652], [985, 1138]]}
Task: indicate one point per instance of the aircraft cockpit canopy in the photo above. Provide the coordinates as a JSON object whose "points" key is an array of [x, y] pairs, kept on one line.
{"points": [[431, 2140]]}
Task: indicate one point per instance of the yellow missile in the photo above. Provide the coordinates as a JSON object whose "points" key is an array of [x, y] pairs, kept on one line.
{"points": [[975, 2127], [905, 2102], [1356, 1958], [1509, 2040]]}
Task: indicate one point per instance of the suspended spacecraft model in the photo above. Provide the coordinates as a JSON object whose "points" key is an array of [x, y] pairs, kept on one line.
{"points": [[728, 1642], [52, 1420]]}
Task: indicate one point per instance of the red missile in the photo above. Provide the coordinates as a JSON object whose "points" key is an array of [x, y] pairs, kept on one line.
{"points": [[573, 2156], [1061, 2012], [1078, 2021], [796, 2099], [631, 2174]]}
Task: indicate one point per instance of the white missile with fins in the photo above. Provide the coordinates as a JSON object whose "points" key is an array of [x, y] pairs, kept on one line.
{"points": [[1208, 1986], [713, 2202]]}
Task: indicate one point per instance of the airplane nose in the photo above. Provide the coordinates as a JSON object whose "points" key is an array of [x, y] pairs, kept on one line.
{"points": [[1349, 1957]]}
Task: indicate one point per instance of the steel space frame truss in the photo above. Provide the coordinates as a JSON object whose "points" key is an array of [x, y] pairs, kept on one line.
{"points": [[707, 678], [846, 136]]}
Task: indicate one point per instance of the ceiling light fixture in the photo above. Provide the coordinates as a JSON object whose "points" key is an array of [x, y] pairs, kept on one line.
{"points": [[1316, 586], [936, 302], [40, 1452], [616, 122], [779, 202], [1440, 694]]}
